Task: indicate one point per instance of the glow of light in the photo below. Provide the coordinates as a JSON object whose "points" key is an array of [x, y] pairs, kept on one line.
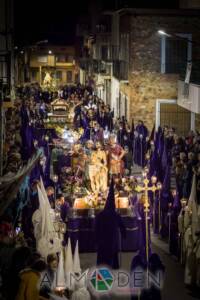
{"points": [[154, 179], [159, 185], [65, 135], [50, 52], [55, 178], [162, 32]]}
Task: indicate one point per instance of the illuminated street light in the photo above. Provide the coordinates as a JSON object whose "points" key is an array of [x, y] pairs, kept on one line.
{"points": [[41, 42], [50, 52], [177, 36], [162, 32]]}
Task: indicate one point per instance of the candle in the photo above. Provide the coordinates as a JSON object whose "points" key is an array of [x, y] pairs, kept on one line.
{"points": [[153, 179]]}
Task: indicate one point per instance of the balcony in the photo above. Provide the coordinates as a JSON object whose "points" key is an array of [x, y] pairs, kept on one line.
{"points": [[107, 53], [101, 67], [195, 73], [189, 96]]}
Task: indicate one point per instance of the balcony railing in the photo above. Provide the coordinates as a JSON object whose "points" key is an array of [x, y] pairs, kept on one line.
{"points": [[189, 96], [101, 67], [106, 52], [195, 73]]}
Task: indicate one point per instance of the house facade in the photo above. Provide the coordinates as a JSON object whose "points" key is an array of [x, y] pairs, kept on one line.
{"points": [[139, 71], [59, 61]]}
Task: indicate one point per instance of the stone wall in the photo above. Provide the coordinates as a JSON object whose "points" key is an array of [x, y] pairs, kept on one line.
{"points": [[146, 83], [145, 88], [145, 44]]}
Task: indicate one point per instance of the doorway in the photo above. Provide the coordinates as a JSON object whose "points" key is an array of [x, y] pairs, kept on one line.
{"points": [[168, 113]]}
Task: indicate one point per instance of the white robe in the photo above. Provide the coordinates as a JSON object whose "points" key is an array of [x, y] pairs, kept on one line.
{"points": [[192, 241]]}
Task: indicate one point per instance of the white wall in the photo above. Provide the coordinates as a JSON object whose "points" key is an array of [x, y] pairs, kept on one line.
{"points": [[192, 101], [82, 76], [115, 95]]}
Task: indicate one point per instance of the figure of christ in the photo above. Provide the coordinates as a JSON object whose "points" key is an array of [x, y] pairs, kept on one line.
{"points": [[102, 175], [115, 154]]}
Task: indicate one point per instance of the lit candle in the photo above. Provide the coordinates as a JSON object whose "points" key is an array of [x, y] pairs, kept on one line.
{"points": [[159, 185], [153, 179], [55, 178]]}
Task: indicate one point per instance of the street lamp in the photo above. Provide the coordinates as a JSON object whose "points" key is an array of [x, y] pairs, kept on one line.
{"points": [[177, 36], [41, 42], [162, 32], [50, 52]]}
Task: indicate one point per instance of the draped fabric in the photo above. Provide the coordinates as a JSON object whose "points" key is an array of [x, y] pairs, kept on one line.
{"points": [[11, 183]]}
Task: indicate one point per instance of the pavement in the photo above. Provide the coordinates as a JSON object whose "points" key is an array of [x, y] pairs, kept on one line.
{"points": [[174, 287]]}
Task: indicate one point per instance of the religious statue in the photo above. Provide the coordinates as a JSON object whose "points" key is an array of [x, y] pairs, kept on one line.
{"points": [[77, 158], [91, 166], [102, 174], [115, 154], [47, 79], [96, 167]]}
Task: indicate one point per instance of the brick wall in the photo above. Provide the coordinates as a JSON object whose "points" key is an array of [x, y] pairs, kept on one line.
{"points": [[145, 88], [146, 83], [197, 122]]}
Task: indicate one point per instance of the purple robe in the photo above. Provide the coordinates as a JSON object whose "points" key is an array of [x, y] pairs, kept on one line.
{"points": [[108, 225]]}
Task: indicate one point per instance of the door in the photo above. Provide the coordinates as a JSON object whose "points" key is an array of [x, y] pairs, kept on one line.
{"points": [[173, 115]]}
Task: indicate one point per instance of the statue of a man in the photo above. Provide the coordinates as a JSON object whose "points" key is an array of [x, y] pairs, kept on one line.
{"points": [[102, 167], [115, 154]]}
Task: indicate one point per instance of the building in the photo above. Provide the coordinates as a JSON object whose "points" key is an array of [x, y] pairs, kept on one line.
{"points": [[138, 71], [6, 67], [157, 64], [59, 61], [6, 44], [190, 4]]}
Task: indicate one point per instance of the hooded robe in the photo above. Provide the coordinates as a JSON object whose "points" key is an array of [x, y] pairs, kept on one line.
{"points": [[108, 226]]}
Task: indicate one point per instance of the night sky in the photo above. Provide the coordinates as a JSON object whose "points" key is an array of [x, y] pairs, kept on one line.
{"points": [[36, 20]]}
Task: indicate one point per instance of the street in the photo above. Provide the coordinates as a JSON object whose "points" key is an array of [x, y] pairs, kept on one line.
{"points": [[174, 287]]}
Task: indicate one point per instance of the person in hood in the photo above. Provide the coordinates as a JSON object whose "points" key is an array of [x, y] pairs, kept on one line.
{"points": [[108, 226]]}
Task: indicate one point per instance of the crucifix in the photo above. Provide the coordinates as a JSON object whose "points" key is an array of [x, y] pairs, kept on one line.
{"points": [[145, 188]]}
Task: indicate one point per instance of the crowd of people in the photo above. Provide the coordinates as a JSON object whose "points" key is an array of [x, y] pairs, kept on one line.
{"points": [[106, 148]]}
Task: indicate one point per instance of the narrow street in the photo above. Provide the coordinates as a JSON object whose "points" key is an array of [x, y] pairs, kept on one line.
{"points": [[174, 288]]}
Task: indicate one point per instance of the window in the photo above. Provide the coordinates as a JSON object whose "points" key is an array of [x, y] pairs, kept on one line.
{"points": [[124, 47], [104, 52], [64, 58], [42, 59], [34, 74], [70, 59], [69, 76], [61, 58], [59, 75], [175, 53]]}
